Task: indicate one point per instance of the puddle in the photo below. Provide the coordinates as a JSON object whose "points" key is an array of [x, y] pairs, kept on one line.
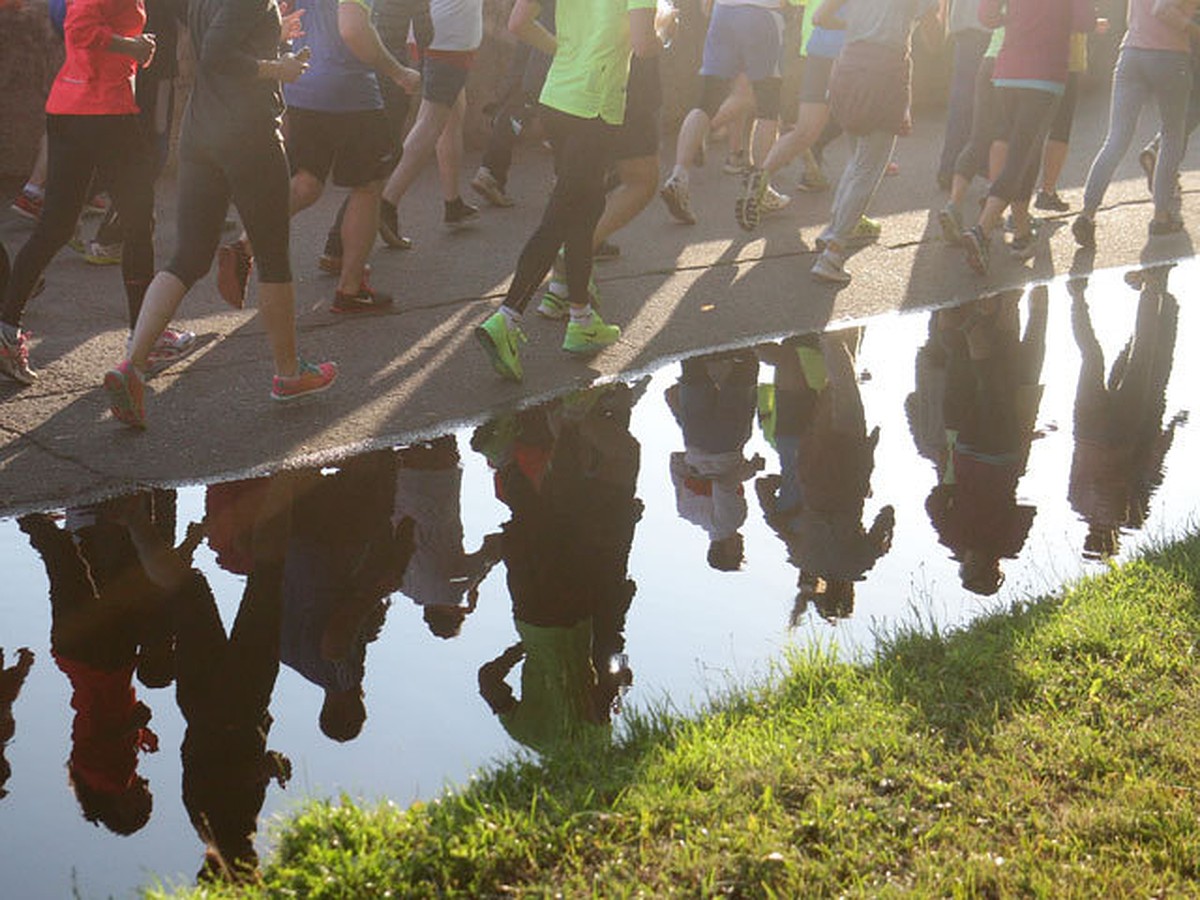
{"points": [[590, 530]]}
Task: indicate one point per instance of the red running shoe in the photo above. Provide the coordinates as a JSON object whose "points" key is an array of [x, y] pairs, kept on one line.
{"points": [[309, 379], [126, 394]]}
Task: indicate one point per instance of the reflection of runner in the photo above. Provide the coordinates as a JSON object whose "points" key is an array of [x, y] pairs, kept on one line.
{"points": [[11, 680], [568, 473], [714, 403], [826, 458], [1120, 443], [992, 397], [343, 559], [223, 688]]}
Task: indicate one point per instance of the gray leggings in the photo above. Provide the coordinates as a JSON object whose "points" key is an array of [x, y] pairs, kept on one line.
{"points": [[1140, 74]]}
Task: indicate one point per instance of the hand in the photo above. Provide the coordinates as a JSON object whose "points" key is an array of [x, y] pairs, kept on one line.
{"points": [[290, 27], [408, 79], [141, 48], [293, 65]]}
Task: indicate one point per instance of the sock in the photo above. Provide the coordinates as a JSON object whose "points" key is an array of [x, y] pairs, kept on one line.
{"points": [[33, 190], [11, 332], [581, 315], [679, 173], [511, 316], [557, 288]]}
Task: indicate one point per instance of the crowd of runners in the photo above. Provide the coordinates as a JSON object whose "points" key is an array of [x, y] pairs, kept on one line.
{"points": [[338, 78]]}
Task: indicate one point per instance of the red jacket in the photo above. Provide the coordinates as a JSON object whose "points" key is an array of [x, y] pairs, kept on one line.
{"points": [[94, 81], [1037, 36]]}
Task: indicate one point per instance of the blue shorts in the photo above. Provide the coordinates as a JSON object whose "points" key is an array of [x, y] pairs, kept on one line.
{"points": [[743, 39]]}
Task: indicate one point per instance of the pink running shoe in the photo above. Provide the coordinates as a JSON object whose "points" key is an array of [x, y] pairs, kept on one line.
{"points": [[126, 394], [309, 379], [170, 347]]}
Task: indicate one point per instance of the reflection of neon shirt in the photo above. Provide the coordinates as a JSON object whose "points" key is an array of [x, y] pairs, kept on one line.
{"points": [[557, 679]]}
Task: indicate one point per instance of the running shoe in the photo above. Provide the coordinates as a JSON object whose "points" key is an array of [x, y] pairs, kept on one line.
{"points": [[126, 394], [773, 201], [170, 347], [1049, 200], [975, 243], [591, 336], [488, 186], [1147, 159], [830, 267], [1084, 230], [14, 357], [98, 254], [736, 163], [866, 230], [28, 205], [1023, 246], [747, 209], [951, 223], [309, 379], [893, 168], [605, 250], [459, 213], [675, 194], [234, 264], [501, 342], [553, 305], [389, 227], [366, 300]]}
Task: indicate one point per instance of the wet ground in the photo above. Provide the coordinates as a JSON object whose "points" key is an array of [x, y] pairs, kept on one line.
{"points": [[505, 588]]}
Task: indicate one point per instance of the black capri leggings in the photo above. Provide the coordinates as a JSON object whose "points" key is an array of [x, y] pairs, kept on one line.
{"points": [[1028, 112], [79, 147], [1064, 116], [255, 177]]}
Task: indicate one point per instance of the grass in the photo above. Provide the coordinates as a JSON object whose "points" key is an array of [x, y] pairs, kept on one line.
{"points": [[1050, 750]]}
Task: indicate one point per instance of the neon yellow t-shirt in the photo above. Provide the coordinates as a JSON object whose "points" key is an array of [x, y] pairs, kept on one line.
{"points": [[588, 75]]}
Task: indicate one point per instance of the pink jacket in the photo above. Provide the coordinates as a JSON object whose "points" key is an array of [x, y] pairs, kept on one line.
{"points": [[1037, 35]]}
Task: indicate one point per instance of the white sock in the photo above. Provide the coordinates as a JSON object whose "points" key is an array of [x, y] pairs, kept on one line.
{"points": [[581, 314], [34, 190], [680, 173], [558, 288]]}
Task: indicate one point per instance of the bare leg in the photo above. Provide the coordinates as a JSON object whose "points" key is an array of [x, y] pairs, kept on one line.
{"points": [[810, 122], [766, 132], [691, 135], [1054, 156], [450, 148], [162, 299], [359, 225], [418, 147], [277, 306], [639, 181]]}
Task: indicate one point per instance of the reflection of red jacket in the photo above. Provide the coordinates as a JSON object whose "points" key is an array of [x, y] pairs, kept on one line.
{"points": [[980, 511], [109, 726], [94, 81]]}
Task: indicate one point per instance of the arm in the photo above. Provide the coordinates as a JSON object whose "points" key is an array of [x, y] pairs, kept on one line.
{"points": [[361, 38], [87, 27], [524, 24], [221, 50], [826, 15], [492, 687]]}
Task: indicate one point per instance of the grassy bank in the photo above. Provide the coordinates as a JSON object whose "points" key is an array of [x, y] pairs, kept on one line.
{"points": [[1052, 750]]}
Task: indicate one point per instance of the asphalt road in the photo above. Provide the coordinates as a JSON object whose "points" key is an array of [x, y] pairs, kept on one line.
{"points": [[675, 290]]}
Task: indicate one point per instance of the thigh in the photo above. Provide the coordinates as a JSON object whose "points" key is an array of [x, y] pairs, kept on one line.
{"points": [[203, 200], [313, 139], [126, 164], [442, 81], [70, 165], [259, 187]]}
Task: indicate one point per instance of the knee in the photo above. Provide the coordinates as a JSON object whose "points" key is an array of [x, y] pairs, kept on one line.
{"points": [[306, 189]]}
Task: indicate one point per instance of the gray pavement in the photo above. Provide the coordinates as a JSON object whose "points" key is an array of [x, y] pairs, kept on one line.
{"points": [[675, 289]]}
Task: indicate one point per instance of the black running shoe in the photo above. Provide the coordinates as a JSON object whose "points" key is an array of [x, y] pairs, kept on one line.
{"points": [[459, 212], [365, 301], [1084, 230], [389, 226]]}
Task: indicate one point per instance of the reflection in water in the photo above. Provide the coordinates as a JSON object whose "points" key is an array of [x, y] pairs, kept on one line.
{"points": [[441, 577], [992, 393], [108, 592], [567, 471], [1120, 444], [307, 562], [714, 402], [813, 415], [11, 680]]}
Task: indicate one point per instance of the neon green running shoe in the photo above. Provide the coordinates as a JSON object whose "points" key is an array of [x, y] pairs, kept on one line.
{"points": [[866, 230], [591, 337], [501, 342], [555, 305]]}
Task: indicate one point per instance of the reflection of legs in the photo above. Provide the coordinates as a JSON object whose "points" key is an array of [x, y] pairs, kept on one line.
{"points": [[252, 662], [847, 413]]}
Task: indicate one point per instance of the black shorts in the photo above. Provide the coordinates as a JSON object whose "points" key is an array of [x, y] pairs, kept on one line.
{"points": [[444, 75], [814, 83], [356, 146], [638, 135]]}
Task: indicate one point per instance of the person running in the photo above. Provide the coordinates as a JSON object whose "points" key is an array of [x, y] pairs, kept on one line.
{"points": [[1030, 77], [1154, 61], [231, 147], [744, 36], [336, 123], [870, 95], [92, 127], [445, 64], [583, 103]]}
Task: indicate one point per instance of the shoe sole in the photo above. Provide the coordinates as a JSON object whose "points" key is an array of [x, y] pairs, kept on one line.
{"points": [[158, 367], [101, 260], [362, 309], [675, 208], [590, 349], [24, 213], [121, 403], [951, 230], [748, 207], [395, 241], [486, 192], [493, 354], [311, 392]]}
